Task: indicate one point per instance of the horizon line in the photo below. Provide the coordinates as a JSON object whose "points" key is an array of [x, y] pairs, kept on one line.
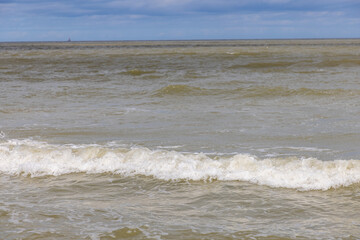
{"points": [[189, 39]]}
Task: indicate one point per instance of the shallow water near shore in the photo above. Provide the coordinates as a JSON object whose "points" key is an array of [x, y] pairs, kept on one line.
{"points": [[241, 139]]}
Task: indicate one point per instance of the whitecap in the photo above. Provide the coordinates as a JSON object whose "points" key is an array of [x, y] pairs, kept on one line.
{"points": [[32, 158]]}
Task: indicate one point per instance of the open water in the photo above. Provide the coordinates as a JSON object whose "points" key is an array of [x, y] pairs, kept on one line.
{"points": [[245, 139]]}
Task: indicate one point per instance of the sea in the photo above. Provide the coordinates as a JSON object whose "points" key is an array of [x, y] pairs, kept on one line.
{"points": [[215, 139]]}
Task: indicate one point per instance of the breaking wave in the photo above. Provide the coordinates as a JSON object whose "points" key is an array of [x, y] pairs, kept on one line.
{"points": [[32, 158]]}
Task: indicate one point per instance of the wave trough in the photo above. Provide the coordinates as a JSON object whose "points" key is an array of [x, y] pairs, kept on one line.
{"points": [[31, 158]]}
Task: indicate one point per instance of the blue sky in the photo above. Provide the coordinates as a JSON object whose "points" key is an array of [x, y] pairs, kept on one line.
{"points": [[41, 20]]}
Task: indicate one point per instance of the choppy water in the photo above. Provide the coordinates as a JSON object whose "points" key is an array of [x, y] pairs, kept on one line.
{"points": [[180, 140]]}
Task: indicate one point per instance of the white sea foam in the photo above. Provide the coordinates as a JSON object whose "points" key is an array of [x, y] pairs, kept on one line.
{"points": [[2, 134], [31, 158]]}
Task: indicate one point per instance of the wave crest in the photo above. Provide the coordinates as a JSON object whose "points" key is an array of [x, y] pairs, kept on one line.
{"points": [[137, 72], [30, 158], [254, 92], [180, 90]]}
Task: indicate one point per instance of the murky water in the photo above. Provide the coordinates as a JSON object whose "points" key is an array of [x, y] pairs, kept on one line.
{"points": [[180, 140]]}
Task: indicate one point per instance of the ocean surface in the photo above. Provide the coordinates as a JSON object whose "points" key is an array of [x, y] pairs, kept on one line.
{"points": [[245, 139]]}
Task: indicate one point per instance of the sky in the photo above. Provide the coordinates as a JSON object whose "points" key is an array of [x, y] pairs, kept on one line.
{"points": [[95, 20]]}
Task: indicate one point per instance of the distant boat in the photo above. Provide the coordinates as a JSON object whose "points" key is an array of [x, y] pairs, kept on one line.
{"points": [[69, 40]]}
